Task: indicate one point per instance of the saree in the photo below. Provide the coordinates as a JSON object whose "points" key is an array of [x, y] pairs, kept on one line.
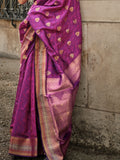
{"points": [[50, 69]]}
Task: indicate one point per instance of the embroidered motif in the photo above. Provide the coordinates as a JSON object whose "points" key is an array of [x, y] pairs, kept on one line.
{"points": [[37, 19]]}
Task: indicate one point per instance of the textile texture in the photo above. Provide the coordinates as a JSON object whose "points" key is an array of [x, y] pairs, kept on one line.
{"points": [[50, 69]]}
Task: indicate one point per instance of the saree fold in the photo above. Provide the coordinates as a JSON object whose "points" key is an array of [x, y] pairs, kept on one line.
{"points": [[50, 67]]}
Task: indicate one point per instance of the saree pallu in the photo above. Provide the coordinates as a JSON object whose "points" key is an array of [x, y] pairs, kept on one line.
{"points": [[51, 40]]}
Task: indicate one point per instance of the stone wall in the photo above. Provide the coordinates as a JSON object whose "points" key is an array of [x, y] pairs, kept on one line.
{"points": [[9, 38], [96, 116]]}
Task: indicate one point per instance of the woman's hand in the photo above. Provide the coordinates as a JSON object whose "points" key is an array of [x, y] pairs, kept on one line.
{"points": [[22, 1]]}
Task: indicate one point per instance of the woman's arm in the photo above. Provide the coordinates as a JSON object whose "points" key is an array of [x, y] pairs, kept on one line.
{"points": [[22, 1]]}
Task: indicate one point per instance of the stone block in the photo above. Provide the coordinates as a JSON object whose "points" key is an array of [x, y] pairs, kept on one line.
{"points": [[104, 66], [100, 11], [9, 38]]}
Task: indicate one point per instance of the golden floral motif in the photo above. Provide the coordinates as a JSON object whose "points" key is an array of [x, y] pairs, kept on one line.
{"points": [[56, 58], [71, 9], [67, 30], [25, 29], [75, 21], [59, 39], [48, 73], [48, 24], [68, 43], [59, 28], [77, 33], [58, 16], [55, 3], [38, 31], [72, 55], [37, 9], [24, 57], [47, 13], [66, 7], [48, 35], [61, 51], [37, 19]]}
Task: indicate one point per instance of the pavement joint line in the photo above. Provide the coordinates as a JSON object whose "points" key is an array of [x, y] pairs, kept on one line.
{"points": [[113, 112]]}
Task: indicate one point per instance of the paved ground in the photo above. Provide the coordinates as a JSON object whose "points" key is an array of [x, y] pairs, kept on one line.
{"points": [[9, 73]]}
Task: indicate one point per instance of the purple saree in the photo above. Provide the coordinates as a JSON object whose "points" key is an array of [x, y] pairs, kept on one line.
{"points": [[51, 39]]}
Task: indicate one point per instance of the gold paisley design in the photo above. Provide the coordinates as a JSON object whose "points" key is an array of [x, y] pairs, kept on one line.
{"points": [[69, 43], [67, 30], [47, 13], [58, 16], [37, 19], [59, 28], [77, 33], [61, 51], [24, 57], [71, 9], [59, 39], [38, 31], [75, 21], [48, 73], [72, 55], [48, 35], [56, 58], [55, 3], [37, 9], [48, 24], [66, 7]]}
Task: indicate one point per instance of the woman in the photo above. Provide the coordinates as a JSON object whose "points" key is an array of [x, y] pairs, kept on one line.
{"points": [[51, 39]]}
